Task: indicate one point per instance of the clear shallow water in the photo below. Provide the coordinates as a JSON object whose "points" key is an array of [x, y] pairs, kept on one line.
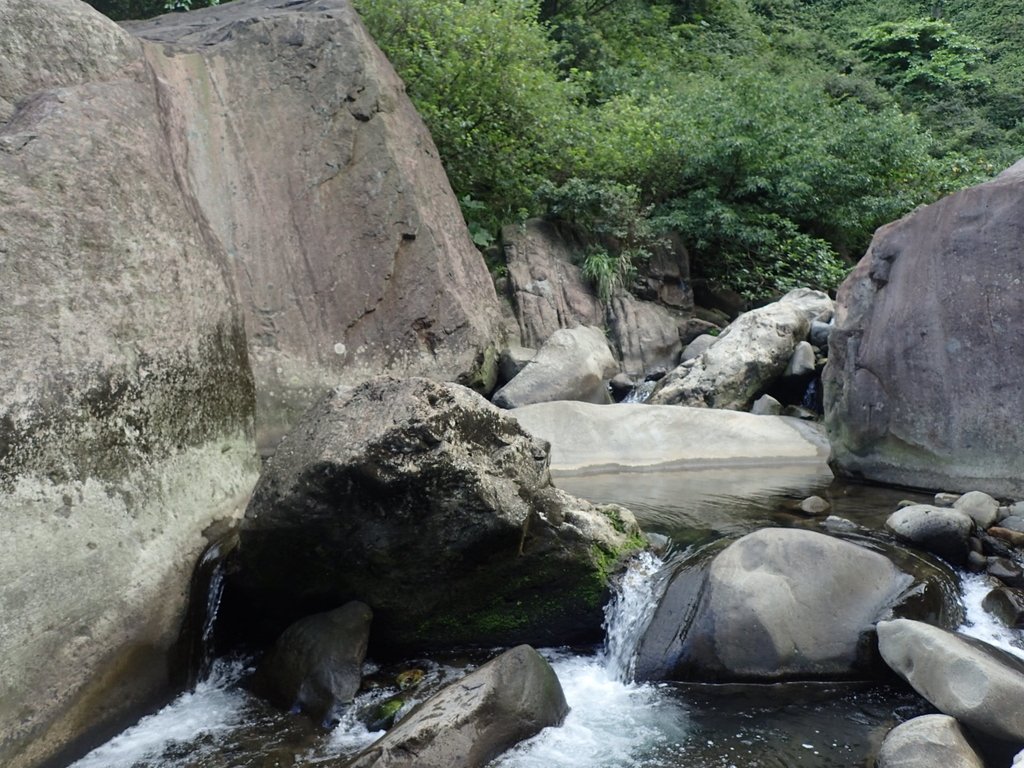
{"points": [[613, 723]]}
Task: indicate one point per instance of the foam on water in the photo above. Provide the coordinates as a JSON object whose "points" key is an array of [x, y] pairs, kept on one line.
{"points": [[611, 723], [216, 706], [980, 624]]}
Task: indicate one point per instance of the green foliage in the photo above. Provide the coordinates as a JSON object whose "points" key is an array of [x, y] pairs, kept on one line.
{"points": [[483, 75], [119, 10], [924, 57]]}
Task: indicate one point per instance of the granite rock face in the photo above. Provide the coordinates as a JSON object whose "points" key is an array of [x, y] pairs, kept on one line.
{"points": [[236, 190], [126, 397], [345, 243], [922, 385]]}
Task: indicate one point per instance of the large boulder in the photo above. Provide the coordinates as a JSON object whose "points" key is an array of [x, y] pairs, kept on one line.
{"points": [[647, 334], [436, 509], [472, 721], [587, 438], [779, 604], [126, 398], [926, 742], [316, 665], [301, 153], [750, 354], [978, 684], [573, 364], [922, 385]]}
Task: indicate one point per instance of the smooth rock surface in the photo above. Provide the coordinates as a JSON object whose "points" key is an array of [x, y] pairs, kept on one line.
{"points": [[940, 530], [922, 384], [928, 741], [316, 665], [472, 721], [776, 604], [978, 506], [978, 684], [573, 364], [589, 438], [303, 156], [437, 510], [126, 397], [752, 352]]}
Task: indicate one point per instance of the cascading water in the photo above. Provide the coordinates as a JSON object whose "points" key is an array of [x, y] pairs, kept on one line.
{"points": [[613, 723]]}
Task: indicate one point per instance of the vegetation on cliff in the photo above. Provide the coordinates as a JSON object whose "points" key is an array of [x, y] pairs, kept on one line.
{"points": [[773, 136]]}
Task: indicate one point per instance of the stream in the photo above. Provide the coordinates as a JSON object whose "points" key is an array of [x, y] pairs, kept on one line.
{"points": [[613, 723]]}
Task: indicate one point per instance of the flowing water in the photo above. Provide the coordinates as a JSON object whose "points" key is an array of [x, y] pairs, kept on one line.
{"points": [[613, 723]]}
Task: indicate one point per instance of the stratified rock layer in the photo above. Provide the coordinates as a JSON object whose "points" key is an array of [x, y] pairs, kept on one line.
{"points": [[922, 387]]}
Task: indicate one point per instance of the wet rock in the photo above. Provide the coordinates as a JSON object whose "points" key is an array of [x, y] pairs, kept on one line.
{"points": [[436, 509], [946, 499], [472, 721], [980, 507], [799, 412], [316, 664], [1006, 604], [1012, 523], [621, 384], [777, 604], [752, 352], [1013, 538], [926, 742], [976, 562], [819, 333], [814, 505], [573, 364], [978, 684], [942, 410], [943, 531], [1006, 570]]}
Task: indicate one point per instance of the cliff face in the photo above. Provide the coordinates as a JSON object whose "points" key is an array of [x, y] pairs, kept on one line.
{"points": [[345, 243], [922, 385], [199, 231]]}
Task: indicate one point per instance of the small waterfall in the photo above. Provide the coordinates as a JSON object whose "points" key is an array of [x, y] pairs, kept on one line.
{"points": [[628, 612], [641, 392], [980, 624], [207, 590], [214, 593]]}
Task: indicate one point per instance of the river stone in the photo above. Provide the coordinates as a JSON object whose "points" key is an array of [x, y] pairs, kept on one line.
{"points": [[511, 362], [302, 154], [126, 398], [751, 353], [926, 742], [940, 530], [978, 684], [922, 387], [437, 510], [1013, 523], [316, 664], [980, 507], [472, 721], [1006, 570], [1016, 538], [573, 364], [777, 604], [585, 437], [645, 335], [766, 405], [1006, 604], [946, 499]]}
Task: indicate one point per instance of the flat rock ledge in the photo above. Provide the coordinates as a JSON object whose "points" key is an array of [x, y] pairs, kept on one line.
{"points": [[587, 438]]}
